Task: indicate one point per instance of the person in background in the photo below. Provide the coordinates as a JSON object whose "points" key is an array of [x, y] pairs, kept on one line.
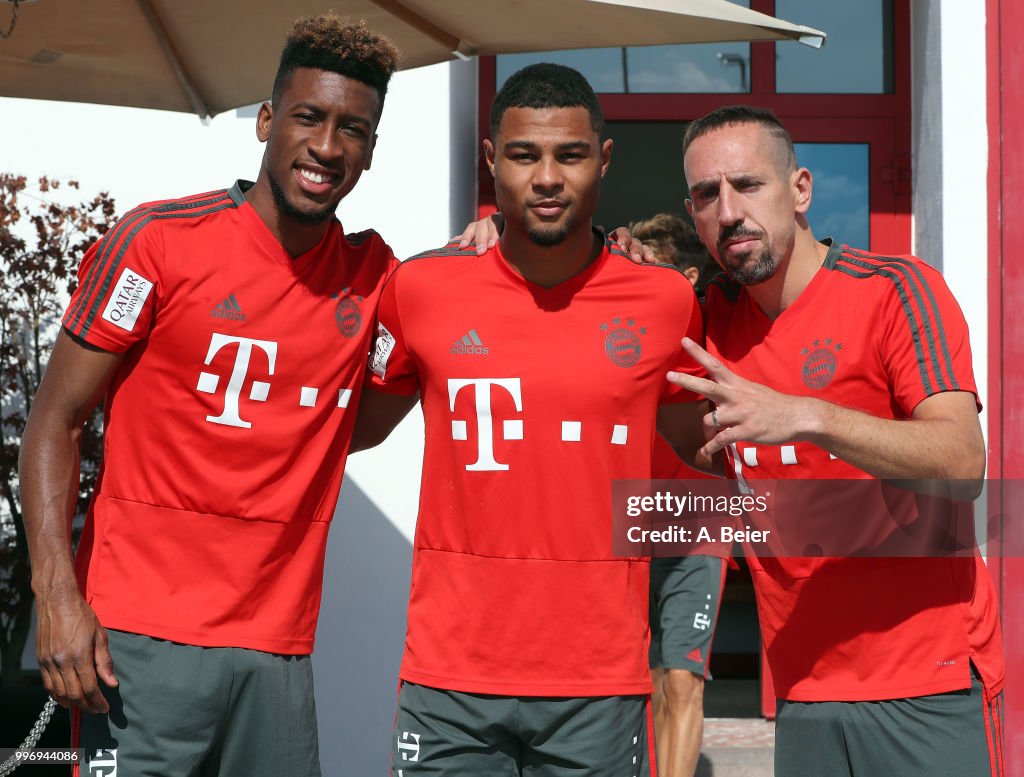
{"points": [[686, 591], [674, 241]]}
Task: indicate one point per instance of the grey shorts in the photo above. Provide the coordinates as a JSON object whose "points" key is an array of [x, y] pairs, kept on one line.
{"points": [[686, 592], [456, 734], [186, 711], [956, 734]]}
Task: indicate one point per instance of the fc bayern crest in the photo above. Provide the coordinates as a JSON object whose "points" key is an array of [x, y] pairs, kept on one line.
{"points": [[622, 343], [820, 363], [347, 314]]}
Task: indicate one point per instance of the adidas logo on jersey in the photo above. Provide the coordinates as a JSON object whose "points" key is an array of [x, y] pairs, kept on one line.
{"points": [[469, 343], [230, 309]]}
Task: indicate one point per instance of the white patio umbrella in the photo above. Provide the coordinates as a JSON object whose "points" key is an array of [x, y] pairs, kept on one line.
{"points": [[209, 56]]}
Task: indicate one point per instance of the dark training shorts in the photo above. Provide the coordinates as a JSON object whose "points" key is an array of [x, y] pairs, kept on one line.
{"points": [[187, 711], [456, 734], [686, 592], [956, 734]]}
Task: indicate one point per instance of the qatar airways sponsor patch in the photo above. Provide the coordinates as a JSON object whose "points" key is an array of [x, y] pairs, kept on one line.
{"points": [[126, 299], [382, 351]]}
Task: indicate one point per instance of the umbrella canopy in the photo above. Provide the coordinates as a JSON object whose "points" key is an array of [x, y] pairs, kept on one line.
{"points": [[208, 56]]}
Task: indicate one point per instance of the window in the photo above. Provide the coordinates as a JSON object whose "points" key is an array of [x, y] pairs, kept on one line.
{"points": [[709, 68], [859, 61], [840, 203]]}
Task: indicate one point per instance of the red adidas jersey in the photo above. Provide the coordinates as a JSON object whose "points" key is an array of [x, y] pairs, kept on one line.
{"points": [[228, 421], [534, 401], [877, 334]]}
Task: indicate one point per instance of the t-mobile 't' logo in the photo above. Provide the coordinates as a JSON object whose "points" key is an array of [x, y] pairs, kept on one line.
{"points": [[102, 763], [409, 746], [260, 389], [511, 429]]}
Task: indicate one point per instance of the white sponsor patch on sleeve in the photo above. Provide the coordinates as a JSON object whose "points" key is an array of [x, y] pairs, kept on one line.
{"points": [[382, 351], [126, 299]]}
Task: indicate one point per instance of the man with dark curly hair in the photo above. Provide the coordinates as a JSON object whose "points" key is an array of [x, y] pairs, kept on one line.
{"points": [[674, 241], [227, 333]]}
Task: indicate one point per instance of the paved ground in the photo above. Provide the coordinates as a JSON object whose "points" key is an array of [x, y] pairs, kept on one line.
{"points": [[737, 747], [739, 732], [737, 741]]}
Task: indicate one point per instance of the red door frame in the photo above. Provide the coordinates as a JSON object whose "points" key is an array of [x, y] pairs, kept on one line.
{"points": [[1005, 52]]}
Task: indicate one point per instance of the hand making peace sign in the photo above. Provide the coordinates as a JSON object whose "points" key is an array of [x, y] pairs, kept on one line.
{"points": [[744, 410]]}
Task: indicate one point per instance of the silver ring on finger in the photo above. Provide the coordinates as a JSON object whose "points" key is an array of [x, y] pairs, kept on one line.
{"points": [[714, 418]]}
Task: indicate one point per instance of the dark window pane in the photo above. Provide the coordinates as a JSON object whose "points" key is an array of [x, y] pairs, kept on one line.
{"points": [[840, 204], [857, 59], [646, 173]]}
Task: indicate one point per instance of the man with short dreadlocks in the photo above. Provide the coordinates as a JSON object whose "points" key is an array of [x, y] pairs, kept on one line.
{"points": [[227, 333]]}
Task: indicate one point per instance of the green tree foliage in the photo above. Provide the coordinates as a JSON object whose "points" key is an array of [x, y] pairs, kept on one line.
{"points": [[42, 241]]}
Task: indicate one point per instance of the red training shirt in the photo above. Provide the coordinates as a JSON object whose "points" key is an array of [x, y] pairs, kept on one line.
{"points": [[227, 422], [877, 334], [535, 399]]}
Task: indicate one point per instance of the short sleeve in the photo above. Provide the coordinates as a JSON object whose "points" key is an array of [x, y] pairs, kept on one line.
{"points": [[118, 286], [925, 347], [691, 325], [393, 370]]}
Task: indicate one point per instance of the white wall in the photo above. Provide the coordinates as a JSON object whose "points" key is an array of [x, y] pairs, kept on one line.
{"points": [[409, 198], [950, 137], [951, 158], [965, 171], [926, 127]]}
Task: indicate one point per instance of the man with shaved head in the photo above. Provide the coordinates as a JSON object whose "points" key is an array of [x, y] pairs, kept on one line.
{"points": [[829, 362]]}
